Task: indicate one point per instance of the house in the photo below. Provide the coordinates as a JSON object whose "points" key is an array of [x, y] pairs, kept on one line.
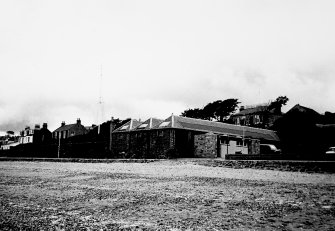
{"points": [[36, 135], [8, 140], [261, 116], [69, 130], [304, 133], [8, 145], [179, 136]]}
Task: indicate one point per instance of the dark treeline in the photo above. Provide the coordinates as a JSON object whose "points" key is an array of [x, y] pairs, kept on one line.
{"points": [[219, 110]]}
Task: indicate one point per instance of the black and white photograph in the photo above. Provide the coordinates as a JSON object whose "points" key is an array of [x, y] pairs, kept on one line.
{"points": [[167, 115]]}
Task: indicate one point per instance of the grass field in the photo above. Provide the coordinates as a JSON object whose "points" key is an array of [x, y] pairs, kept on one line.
{"points": [[163, 195]]}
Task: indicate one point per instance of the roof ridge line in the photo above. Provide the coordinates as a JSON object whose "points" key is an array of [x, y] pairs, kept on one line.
{"points": [[226, 123]]}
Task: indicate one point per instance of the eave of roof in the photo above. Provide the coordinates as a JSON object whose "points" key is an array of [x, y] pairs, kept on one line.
{"points": [[224, 128]]}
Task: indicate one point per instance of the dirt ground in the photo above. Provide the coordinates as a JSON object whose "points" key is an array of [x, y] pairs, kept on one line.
{"points": [[163, 195]]}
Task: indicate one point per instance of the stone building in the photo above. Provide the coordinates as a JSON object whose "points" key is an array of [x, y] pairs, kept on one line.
{"points": [[182, 137], [36, 135], [69, 130], [260, 116]]}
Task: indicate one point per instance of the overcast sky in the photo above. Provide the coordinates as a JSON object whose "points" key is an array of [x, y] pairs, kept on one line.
{"points": [[160, 57]]}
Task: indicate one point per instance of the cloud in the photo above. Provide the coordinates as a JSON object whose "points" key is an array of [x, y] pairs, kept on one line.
{"points": [[16, 116], [160, 58]]}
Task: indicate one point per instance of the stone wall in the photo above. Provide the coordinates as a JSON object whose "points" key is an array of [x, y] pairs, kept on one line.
{"points": [[155, 144], [120, 144], [162, 143], [139, 144], [205, 146]]}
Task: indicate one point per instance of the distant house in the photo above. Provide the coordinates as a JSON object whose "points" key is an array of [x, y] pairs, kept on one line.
{"points": [[69, 130], [36, 135], [304, 134], [8, 140], [8, 145], [179, 136], [260, 116]]}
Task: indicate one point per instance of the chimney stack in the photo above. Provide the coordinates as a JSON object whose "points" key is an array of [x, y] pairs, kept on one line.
{"points": [[242, 108], [78, 121], [63, 123], [37, 126], [45, 125]]}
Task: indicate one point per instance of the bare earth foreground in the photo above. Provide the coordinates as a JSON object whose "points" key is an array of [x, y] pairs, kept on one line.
{"points": [[163, 195]]}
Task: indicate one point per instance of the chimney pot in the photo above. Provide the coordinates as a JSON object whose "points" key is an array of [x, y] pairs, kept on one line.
{"points": [[45, 125], [63, 123], [78, 121]]}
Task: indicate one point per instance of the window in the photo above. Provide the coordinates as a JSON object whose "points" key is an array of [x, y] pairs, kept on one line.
{"points": [[238, 121], [164, 124], [242, 120], [224, 140], [124, 127], [143, 126], [257, 119]]}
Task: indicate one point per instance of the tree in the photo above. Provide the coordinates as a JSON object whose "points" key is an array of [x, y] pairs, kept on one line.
{"points": [[196, 113], [10, 133], [226, 108], [276, 105], [218, 110]]}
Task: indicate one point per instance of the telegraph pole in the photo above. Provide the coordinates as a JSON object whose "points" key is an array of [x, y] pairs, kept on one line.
{"points": [[58, 145]]}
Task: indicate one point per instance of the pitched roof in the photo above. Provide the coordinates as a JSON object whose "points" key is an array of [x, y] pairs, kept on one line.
{"points": [[217, 127], [249, 111], [301, 109], [130, 125], [149, 124], [66, 127]]}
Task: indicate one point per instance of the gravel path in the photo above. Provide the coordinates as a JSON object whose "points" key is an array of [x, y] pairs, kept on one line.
{"points": [[164, 195]]}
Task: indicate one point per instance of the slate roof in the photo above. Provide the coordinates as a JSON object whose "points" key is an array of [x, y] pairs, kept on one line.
{"points": [[149, 124], [249, 111], [217, 128], [129, 126], [65, 127]]}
